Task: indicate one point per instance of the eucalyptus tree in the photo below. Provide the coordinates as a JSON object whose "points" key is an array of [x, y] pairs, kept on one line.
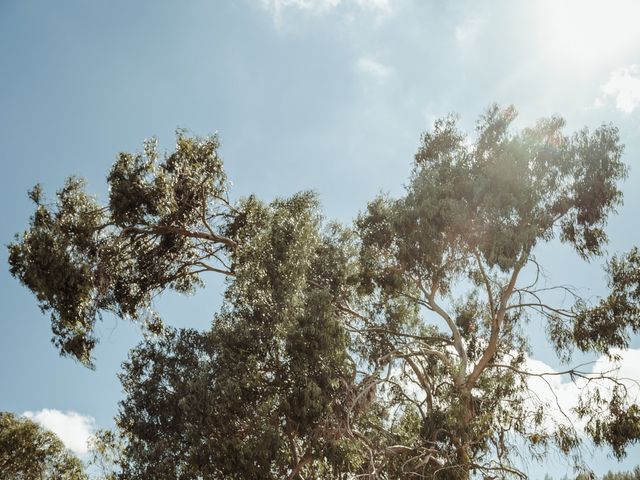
{"points": [[395, 348], [454, 248], [29, 452]]}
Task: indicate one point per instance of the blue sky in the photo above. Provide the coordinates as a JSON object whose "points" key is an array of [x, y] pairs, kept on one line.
{"points": [[330, 95]]}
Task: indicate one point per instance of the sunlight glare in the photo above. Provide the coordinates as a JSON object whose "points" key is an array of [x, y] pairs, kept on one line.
{"points": [[589, 32]]}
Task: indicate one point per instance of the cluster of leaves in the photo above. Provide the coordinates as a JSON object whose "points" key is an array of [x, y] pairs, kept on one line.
{"points": [[631, 475], [608, 324], [263, 392], [388, 350], [82, 259], [28, 452]]}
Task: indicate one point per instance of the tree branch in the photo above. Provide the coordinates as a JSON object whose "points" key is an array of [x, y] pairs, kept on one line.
{"points": [[306, 458], [166, 229], [496, 323]]}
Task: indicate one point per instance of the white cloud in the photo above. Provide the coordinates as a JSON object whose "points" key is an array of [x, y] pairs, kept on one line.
{"points": [[559, 393], [72, 428], [623, 87], [373, 68]]}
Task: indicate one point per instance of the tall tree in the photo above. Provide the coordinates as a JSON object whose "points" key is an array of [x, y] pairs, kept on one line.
{"points": [[392, 349], [29, 452], [454, 247]]}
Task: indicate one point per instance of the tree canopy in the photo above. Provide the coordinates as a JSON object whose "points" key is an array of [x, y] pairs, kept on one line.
{"points": [[29, 452], [395, 347]]}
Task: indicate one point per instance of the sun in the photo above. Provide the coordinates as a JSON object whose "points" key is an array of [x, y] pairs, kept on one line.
{"points": [[587, 33]]}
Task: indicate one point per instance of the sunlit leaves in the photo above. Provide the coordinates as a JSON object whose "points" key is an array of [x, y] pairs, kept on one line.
{"points": [[57, 259], [265, 387], [395, 348], [27, 451], [81, 258]]}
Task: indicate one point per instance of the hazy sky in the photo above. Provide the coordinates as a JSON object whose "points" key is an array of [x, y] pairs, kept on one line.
{"points": [[330, 95]]}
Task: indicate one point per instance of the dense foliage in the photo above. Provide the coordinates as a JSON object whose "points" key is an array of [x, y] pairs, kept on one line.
{"points": [[631, 475], [394, 348], [28, 452]]}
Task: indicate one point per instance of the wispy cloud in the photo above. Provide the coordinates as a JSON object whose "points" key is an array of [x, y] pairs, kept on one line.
{"points": [[623, 88], [319, 7], [381, 6], [371, 67], [72, 428], [559, 394], [316, 6]]}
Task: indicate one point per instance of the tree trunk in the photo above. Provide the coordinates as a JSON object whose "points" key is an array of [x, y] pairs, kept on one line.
{"points": [[463, 469]]}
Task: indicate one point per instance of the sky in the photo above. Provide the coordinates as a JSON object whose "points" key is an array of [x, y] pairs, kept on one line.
{"points": [[329, 95]]}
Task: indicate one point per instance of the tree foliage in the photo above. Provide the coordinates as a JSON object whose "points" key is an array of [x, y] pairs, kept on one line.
{"points": [[392, 348], [28, 452], [632, 475]]}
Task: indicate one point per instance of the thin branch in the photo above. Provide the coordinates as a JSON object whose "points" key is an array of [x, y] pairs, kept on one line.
{"points": [[166, 229], [496, 323], [306, 458], [457, 337], [485, 279]]}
